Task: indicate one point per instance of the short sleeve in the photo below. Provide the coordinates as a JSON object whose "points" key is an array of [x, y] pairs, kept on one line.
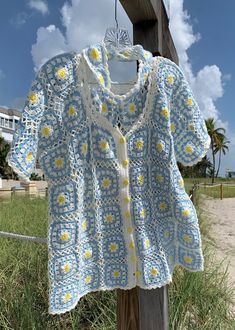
{"points": [[188, 127], [22, 155]]}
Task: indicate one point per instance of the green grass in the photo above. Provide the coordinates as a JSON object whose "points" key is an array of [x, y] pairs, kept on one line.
{"points": [[213, 191], [197, 301]]}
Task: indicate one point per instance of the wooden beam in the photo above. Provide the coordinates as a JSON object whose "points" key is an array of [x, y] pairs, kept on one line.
{"points": [[151, 26]]}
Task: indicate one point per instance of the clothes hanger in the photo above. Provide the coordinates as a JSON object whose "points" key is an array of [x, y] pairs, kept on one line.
{"points": [[118, 43], [116, 37]]}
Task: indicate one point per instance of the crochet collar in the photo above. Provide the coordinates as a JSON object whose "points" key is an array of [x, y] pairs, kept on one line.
{"points": [[97, 56]]}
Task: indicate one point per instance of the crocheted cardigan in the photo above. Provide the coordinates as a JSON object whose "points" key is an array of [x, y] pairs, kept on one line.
{"points": [[119, 215]]}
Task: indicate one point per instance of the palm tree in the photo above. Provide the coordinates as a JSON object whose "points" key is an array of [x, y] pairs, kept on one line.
{"points": [[221, 147], [215, 136]]}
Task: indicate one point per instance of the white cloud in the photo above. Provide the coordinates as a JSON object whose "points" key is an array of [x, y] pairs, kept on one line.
{"points": [[50, 42], [82, 27], [19, 19], [207, 84], [39, 5]]}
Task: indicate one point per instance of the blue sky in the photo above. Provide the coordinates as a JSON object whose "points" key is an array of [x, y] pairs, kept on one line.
{"points": [[31, 31]]}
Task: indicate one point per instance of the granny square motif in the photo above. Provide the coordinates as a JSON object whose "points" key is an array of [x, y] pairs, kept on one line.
{"points": [[118, 212]]}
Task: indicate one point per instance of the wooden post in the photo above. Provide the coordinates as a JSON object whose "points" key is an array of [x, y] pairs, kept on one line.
{"points": [[221, 191], [139, 309]]}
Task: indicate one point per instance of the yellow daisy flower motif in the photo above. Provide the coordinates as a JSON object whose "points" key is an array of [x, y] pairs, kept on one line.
{"points": [[165, 112], [132, 245], [189, 101], [84, 148], [187, 238], [159, 147], [116, 274], [59, 162], [61, 73], [186, 213], [84, 225], [46, 131], [147, 243], [146, 54], [159, 178], [130, 230], [170, 79], [146, 76], [154, 271], [33, 97], [172, 127], [88, 279], [72, 111], [181, 182], [191, 126], [126, 53], [67, 297], [88, 254], [143, 213], [163, 206], [113, 247], [125, 182], [66, 268], [104, 145], [104, 108], [167, 234], [189, 149], [29, 156], [106, 183], [61, 199], [64, 236], [140, 180], [132, 107], [101, 79], [137, 273], [95, 54], [109, 218], [139, 144], [188, 259]]}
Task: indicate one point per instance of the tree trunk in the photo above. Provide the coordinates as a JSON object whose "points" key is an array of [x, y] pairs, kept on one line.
{"points": [[213, 159], [218, 164]]}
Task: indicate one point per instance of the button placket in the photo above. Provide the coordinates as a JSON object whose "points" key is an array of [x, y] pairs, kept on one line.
{"points": [[125, 200]]}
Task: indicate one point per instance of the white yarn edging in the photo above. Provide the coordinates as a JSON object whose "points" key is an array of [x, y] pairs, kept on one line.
{"points": [[206, 147], [152, 287], [15, 168]]}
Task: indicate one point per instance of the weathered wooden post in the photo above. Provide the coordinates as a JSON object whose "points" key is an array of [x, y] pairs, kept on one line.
{"points": [[139, 309], [221, 191]]}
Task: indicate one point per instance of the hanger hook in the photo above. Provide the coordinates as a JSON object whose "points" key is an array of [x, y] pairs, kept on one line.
{"points": [[116, 14]]}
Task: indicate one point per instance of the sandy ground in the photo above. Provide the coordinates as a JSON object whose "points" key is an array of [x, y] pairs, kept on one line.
{"points": [[221, 214]]}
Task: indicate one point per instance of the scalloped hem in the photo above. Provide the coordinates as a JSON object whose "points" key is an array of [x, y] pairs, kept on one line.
{"points": [[206, 147], [168, 281], [21, 175]]}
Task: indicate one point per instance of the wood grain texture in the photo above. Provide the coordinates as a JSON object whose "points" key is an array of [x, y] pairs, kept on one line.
{"points": [[151, 27], [140, 309]]}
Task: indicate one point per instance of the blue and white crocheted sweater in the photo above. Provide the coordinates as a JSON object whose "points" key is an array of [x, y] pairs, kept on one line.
{"points": [[119, 215]]}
